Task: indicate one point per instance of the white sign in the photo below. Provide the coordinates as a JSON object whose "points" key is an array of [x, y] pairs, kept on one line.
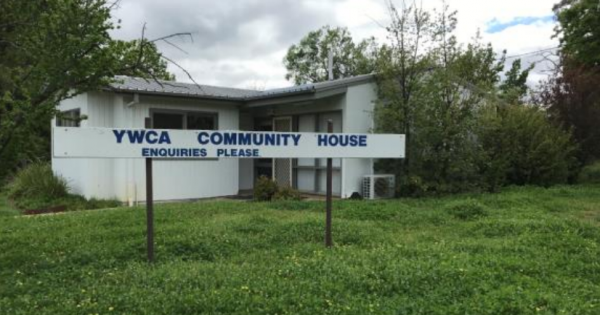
{"points": [[77, 142]]}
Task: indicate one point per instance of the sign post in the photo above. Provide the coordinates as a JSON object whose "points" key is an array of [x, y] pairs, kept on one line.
{"points": [[76, 142], [149, 204], [328, 201]]}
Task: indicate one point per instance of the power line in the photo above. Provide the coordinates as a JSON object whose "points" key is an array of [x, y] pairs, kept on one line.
{"points": [[535, 52]]}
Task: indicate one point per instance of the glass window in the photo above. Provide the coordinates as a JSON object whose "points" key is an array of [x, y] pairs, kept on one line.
{"points": [[69, 118], [201, 121], [167, 121], [184, 120]]}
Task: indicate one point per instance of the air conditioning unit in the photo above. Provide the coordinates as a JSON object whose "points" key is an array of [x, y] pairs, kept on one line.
{"points": [[378, 186]]}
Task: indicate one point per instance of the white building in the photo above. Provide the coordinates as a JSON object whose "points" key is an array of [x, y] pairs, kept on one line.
{"points": [[348, 102]]}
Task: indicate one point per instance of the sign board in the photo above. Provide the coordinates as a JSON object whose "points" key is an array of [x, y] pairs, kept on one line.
{"points": [[75, 142]]}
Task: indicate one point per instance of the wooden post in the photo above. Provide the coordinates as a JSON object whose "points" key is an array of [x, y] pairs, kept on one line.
{"points": [[328, 239], [149, 205]]}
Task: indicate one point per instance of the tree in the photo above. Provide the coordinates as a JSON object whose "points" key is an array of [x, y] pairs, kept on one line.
{"points": [[307, 62], [522, 147], [429, 89], [143, 55], [435, 90], [401, 67], [514, 88], [579, 30], [571, 94], [572, 98], [53, 50]]}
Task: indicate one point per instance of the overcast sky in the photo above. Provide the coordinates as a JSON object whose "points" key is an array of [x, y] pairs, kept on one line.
{"points": [[241, 43]]}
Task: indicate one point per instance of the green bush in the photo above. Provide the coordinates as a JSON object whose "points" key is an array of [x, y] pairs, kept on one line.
{"points": [[68, 203], [37, 181], [94, 203], [287, 193], [522, 147], [36, 187], [468, 209], [414, 187], [264, 189], [590, 174], [498, 146]]}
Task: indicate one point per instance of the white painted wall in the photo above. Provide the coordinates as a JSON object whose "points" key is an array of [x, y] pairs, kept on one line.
{"points": [[246, 171], [357, 118], [124, 179], [73, 170]]}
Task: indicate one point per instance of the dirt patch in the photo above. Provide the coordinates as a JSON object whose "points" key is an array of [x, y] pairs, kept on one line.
{"points": [[54, 209]]}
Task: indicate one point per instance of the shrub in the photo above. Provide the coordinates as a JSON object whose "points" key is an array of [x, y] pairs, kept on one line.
{"points": [[287, 193], [590, 174], [37, 181], [264, 189], [94, 203], [36, 187], [467, 210], [522, 147], [414, 187]]}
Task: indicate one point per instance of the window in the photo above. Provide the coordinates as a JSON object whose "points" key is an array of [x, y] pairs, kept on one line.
{"points": [[201, 121], [69, 118], [167, 121], [184, 120]]}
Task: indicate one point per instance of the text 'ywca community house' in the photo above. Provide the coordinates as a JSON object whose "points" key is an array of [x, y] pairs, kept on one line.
{"points": [[132, 102]]}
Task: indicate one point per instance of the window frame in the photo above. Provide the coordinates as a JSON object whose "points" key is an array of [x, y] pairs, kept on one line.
{"points": [[60, 121]]}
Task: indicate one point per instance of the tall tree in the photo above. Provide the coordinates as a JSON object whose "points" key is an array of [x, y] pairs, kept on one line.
{"points": [[514, 88], [52, 50], [434, 89], [401, 67], [307, 62], [572, 98], [579, 30], [571, 94]]}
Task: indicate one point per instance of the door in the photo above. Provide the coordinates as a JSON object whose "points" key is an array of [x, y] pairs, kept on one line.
{"points": [[282, 168]]}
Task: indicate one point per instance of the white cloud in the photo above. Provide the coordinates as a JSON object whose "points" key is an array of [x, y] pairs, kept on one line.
{"points": [[242, 43]]}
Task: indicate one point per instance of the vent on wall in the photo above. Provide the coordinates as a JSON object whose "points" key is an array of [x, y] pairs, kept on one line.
{"points": [[378, 186]]}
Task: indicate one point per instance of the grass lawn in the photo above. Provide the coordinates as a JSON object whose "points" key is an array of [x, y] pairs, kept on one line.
{"points": [[523, 251], [6, 209]]}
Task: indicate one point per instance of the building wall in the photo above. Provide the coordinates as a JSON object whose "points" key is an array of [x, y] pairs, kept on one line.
{"points": [[73, 170], [356, 110], [124, 179], [246, 166], [358, 118], [310, 174]]}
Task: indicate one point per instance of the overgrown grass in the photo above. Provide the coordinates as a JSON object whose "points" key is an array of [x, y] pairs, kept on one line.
{"points": [[6, 209], [37, 181], [36, 188], [524, 251]]}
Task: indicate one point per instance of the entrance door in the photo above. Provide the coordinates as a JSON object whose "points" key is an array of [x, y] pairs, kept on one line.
{"points": [[282, 168]]}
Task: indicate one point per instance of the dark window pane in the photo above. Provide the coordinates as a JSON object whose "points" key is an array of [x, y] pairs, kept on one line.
{"points": [[201, 122], [70, 118], [264, 171], [167, 121]]}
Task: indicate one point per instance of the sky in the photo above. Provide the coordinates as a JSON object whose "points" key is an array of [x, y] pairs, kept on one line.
{"points": [[241, 43]]}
